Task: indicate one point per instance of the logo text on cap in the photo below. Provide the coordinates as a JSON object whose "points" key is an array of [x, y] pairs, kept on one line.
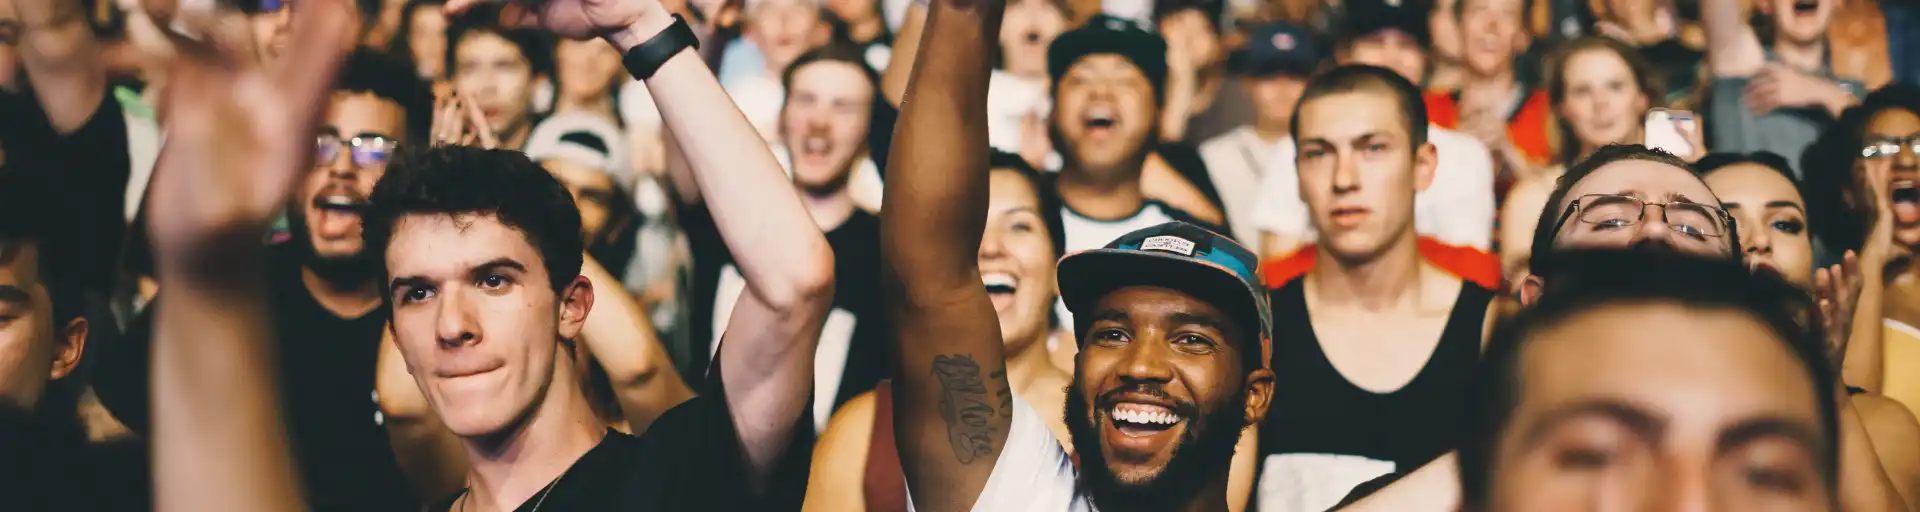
{"points": [[1168, 243]]}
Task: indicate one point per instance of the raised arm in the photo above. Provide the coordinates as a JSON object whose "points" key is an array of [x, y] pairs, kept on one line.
{"points": [[766, 355], [239, 138], [953, 412], [1733, 50], [623, 341], [63, 61], [906, 48]]}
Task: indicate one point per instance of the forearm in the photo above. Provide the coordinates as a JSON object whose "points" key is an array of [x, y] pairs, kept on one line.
{"points": [[218, 438], [1732, 48], [939, 162], [1864, 365], [1434, 487], [1181, 89], [62, 60], [906, 48], [778, 248], [1864, 483], [621, 338]]}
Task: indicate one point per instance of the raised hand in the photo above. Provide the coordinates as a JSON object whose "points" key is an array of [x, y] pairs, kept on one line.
{"points": [[239, 133], [1837, 290], [457, 120], [578, 19]]}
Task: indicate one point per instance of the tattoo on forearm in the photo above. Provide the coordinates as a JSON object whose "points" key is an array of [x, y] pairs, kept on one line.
{"points": [[964, 406]]}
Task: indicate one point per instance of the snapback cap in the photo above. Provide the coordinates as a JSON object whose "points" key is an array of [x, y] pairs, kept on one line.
{"points": [[1277, 48], [1104, 34], [583, 139], [1174, 255], [1367, 17]]}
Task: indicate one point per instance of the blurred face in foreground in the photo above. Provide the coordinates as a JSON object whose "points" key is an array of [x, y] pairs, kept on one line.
{"points": [[1657, 406]]}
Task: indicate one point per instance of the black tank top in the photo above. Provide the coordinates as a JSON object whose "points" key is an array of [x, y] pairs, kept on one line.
{"points": [[1316, 412]]}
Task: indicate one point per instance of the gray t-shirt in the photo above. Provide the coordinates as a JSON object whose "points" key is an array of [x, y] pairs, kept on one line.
{"points": [[1731, 126]]}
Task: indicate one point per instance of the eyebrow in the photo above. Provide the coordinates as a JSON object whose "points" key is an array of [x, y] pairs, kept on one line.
{"points": [[1642, 424], [372, 135], [1746, 432], [1113, 315], [1193, 319], [1356, 138], [478, 271], [11, 293], [1770, 205], [493, 265]]}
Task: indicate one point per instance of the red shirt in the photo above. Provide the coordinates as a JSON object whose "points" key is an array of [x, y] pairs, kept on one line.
{"points": [[1527, 129], [1472, 265]]}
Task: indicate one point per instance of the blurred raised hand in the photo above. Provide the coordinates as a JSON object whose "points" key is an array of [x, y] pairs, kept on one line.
{"points": [[578, 19], [239, 132]]}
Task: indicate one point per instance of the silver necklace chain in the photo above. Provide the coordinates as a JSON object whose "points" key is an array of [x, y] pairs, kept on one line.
{"points": [[468, 492]]}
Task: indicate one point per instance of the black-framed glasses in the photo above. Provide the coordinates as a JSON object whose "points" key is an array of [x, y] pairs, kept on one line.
{"points": [[1610, 211], [365, 151], [1887, 148]]}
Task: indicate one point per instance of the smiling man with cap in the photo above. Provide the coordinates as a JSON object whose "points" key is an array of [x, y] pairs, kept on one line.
{"points": [[1171, 319]]}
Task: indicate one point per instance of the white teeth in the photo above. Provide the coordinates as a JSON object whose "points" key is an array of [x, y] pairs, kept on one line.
{"points": [[999, 279], [814, 145], [1100, 114], [1134, 413]]}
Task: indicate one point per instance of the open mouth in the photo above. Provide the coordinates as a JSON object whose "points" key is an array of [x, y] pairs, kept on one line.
{"points": [[1100, 121], [1031, 37], [338, 212], [1806, 7], [1142, 420], [1000, 288], [814, 146]]}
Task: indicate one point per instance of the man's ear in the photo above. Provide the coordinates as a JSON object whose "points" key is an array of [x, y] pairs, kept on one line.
{"points": [[1425, 159], [1530, 290], [1259, 396], [69, 345], [575, 301]]}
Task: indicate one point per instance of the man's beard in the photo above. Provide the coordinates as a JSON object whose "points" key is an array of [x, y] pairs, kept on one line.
{"points": [[339, 271], [1203, 453]]}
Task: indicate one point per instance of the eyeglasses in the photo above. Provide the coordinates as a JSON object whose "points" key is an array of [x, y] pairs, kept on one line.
{"points": [[1887, 148], [1611, 211], [365, 152]]}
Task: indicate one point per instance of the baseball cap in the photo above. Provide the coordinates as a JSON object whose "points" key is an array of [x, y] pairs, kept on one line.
{"points": [[1105, 34], [1174, 255], [583, 139], [1367, 17], [1277, 48]]}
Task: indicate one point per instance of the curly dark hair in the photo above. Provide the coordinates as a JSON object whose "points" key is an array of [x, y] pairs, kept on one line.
{"points": [[390, 78], [534, 45], [1831, 166], [461, 180]]}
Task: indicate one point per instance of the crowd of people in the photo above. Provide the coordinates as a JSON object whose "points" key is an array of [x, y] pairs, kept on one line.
{"points": [[960, 255]]}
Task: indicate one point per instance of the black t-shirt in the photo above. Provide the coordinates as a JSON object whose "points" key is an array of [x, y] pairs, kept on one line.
{"points": [[856, 298], [46, 463], [89, 169], [326, 370], [689, 459]]}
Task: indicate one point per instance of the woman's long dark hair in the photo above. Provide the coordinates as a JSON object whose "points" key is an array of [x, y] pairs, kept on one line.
{"points": [[1831, 169]]}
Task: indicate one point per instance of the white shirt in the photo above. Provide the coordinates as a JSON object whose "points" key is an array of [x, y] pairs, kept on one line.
{"points": [[1009, 99], [1033, 473], [1084, 233], [1236, 160], [760, 98], [1456, 209]]}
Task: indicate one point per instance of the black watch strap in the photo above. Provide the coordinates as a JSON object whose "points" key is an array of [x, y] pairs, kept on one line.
{"points": [[642, 61]]}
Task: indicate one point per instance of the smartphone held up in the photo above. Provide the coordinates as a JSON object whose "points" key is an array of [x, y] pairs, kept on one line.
{"points": [[1672, 131]]}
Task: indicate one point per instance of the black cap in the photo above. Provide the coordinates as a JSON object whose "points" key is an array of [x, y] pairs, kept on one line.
{"points": [[1277, 48], [1367, 17], [1105, 34]]}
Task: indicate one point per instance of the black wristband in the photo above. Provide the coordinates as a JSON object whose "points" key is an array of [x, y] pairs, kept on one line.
{"points": [[642, 61]]}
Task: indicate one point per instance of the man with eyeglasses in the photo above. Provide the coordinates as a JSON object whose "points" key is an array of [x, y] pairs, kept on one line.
{"points": [[328, 313], [1628, 196]]}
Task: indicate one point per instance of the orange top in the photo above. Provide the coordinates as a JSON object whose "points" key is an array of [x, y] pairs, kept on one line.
{"points": [[1471, 265], [1527, 129]]}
